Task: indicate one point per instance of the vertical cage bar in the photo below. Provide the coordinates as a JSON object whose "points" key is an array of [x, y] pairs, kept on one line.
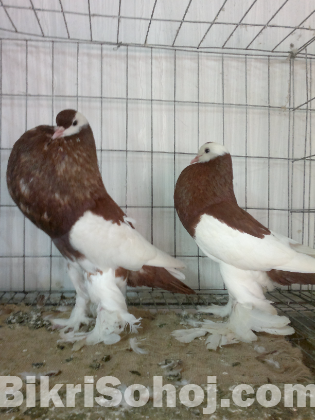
{"points": [[52, 121], [292, 145], [289, 141], [1, 58], [127, 64], [293, 137], [268, 211], [198, 136], [26, 103], [223, 99], [90, 20], [101, 70], [174, 148], [305, 147], [312, 244], [309, 87], [246, 131], [118, 23], [77, 95], [151, 117]]}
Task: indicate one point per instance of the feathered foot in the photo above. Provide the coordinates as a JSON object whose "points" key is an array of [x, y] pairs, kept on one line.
{"points": [[244, 320], [108, 328], [77, 317], [78, 314], [112, 314]]}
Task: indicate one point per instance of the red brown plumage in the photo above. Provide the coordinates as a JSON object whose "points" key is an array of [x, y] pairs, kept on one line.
{"points": [[207, 188], [55, 181]]}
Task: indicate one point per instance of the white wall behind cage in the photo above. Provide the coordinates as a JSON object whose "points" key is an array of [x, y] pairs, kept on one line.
{"points": [[150, 109]]}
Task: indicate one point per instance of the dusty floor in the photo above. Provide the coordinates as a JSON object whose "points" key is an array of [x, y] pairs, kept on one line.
{"points": [[28, 346]]}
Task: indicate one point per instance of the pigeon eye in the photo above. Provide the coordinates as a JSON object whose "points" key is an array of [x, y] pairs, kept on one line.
{"points": [[75, 122], [207, 150]]}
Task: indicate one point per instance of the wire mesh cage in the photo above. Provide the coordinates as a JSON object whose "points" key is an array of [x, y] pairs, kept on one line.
{"points": [[156, 79]]}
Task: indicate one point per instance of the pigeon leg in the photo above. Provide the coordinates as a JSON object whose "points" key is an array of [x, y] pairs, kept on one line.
{"points": [[248, 309], [112, 313], [78, 314]]}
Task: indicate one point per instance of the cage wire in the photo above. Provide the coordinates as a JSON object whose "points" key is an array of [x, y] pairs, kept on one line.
{"points": [[156, 79]]}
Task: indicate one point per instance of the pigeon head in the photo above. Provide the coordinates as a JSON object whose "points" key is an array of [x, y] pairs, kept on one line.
{"points": [[209, 151], [69, 122]]}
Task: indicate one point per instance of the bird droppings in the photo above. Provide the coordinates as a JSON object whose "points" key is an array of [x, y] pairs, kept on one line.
{"points": [[60, 346], [38, 365], [173, 369], [236, 364], [53, 373], [33, 319], [36, 412], [9, 410], [166, 357], [135, 372], [170, 364], [174, 376], [195, 412], [95, 365]]}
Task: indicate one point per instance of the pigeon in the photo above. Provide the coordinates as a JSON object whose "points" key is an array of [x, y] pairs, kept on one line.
{"points": [[250, 256], [54, 179]]}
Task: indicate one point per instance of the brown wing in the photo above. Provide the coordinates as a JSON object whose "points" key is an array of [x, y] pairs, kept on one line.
{"points": [[232, 215]]}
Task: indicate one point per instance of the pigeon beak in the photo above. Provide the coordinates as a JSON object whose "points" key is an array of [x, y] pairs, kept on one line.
{"points": [[58, 133], [195, 160]]}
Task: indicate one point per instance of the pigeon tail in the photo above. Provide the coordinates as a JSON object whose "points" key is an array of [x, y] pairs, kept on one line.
{"points": [[292, 277], [164, 278], [302, 249], [162, 259], [287, 278], [301, 263]]}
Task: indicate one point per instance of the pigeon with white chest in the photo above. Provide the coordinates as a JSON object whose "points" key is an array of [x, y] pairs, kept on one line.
{"points": [[250, 256], [53, 177]]}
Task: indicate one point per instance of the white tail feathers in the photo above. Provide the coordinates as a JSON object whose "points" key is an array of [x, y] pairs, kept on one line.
{"points": [[303, 249], [164, 260]]}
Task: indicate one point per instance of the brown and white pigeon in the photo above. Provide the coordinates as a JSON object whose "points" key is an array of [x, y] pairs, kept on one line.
{"points": [[53, 177], [250, 256]]}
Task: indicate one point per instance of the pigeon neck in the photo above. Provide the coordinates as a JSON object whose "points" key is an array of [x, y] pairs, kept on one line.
{"points": [[201, 186], [217, 179]]}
